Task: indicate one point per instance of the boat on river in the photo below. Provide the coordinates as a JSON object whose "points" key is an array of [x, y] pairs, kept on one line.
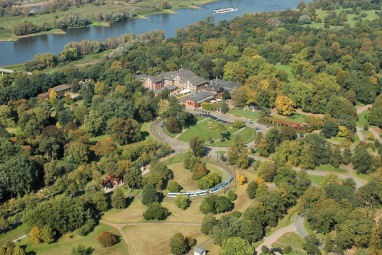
{"points": [[225, 10]]}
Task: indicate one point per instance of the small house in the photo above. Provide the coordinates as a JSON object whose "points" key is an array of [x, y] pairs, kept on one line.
{"points": [[110, 181], [199, 251]]}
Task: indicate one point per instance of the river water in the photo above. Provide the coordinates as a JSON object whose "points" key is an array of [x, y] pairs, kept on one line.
{"points": [[26, 48]]}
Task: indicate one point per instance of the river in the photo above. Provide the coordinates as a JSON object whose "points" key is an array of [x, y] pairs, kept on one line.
{"points": [[25, 49]]}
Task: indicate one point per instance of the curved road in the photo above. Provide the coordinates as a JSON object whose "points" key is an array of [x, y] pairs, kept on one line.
{"points": [[297, 227]]}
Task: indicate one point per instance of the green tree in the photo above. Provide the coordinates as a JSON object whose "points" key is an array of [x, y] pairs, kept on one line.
{"points": [[124, 131], [133, 178], [173, 186], [156, 212], [362, 160], [197, 146], [267, 170], [189, 160], [18, 176], [149, 194], [179, 244], [208, 224], [81, 250], [237, 246], [251, 189], [182, 202], [209, 181], [173, 125], [77, 152], [118, 199], [47, 235], [311, 245]]}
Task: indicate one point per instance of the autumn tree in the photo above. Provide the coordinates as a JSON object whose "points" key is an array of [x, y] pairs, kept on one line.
{"points": [[108, 239], [284, 105]]}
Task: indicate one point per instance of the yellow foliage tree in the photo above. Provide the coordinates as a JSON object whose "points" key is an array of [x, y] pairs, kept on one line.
{"points": [[259, 180], [241, 179], [34, 235], [53, 97], [343, 131], [284, 105]]}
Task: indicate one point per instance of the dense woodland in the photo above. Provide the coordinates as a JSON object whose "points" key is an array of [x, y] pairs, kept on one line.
{"points": [[52, 160]]}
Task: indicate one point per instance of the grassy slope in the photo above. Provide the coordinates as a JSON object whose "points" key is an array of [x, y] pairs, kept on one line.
{"points": [[145, 7], [293, 240], [64, 246]]}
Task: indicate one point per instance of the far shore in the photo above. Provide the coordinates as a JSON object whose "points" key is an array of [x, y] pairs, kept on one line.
{"points": [[14, 38]]}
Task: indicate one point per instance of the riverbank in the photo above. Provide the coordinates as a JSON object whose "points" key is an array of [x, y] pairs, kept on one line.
{"points": [[141, 9]]}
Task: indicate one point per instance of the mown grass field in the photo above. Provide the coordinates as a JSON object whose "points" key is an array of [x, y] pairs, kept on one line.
{"points": [[64, 245], [205, 129], [146, 7], [208, 130], [155, 239]]}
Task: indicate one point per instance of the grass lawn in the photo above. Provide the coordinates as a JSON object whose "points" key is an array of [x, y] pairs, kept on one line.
{"points": [[183, 176], [330, 168], [246, 135], [244, 113], [295, 117], [293, 240], [362, 118], [316, 179], [208, 130], [205, 130], [13, 234], [64, 246], [155, 239], [287, 69]]}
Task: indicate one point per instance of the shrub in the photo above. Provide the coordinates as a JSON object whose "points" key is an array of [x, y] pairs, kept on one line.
{"points": [[108, 239], [179, 244], [182, 202], [156, 212], [215, 204], [251, 190], [173, 186], [231, 195], [87, 227]]}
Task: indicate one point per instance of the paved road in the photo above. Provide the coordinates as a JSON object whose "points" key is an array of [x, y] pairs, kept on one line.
{"points": [[296, 227]]}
